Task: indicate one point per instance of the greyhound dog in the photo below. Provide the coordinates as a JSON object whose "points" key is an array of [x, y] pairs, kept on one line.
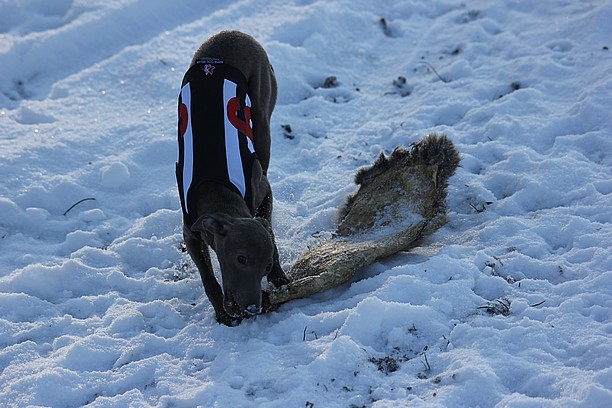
{"points": [[225, 103]]}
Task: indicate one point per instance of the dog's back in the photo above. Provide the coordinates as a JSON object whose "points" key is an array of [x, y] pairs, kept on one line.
{"points": [[243, 52]]}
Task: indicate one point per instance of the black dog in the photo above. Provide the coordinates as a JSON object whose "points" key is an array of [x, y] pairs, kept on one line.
{"points": [[226, 99]]}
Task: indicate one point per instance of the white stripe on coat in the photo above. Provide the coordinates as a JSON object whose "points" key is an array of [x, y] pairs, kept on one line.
{"points": [[232, 148], [187, 145]]}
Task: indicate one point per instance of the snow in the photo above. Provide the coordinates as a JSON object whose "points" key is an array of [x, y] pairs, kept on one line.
{"points": [[508, 305]]}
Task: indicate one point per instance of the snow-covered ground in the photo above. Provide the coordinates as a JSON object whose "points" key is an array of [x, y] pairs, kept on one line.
{"points": [[508, 305]]}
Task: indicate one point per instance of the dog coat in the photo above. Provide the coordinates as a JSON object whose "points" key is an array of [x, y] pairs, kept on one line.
{"points": [[215, 134]]}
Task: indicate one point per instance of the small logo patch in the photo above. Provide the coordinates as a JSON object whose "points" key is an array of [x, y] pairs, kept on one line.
{"points": [[208, 69]]}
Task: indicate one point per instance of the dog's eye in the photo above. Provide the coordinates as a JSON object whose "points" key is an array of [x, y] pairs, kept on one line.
{"points": [[268, 267], [242, 260]]}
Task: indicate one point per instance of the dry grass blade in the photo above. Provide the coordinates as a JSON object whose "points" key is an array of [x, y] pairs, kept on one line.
{"points": [[499, 307]]}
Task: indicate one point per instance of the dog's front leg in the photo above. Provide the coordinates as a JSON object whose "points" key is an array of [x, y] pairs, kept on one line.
{"points": [[198, 251], [276, 276]]}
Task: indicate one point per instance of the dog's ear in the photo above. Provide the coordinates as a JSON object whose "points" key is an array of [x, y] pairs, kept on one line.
{"points": [[211, 225], [265, 223]]}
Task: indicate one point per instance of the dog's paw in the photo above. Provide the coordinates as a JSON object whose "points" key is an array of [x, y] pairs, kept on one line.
{"points": [[266, 305], [224, 318]]}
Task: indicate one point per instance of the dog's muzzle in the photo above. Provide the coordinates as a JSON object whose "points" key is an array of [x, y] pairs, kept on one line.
{"points": [[253, 310], [234, 310]]}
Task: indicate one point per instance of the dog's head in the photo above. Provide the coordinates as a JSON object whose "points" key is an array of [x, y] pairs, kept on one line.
{"points": [[245, 251]]}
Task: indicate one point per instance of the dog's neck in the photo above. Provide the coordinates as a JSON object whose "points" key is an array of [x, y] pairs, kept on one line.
{"points": [[216, 198]]}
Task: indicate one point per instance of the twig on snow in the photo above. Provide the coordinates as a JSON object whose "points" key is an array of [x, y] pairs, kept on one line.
{"points": [[435, 72], [77, 203]]}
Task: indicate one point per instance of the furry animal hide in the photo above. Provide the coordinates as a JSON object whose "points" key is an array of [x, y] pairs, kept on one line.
{"points": [[400, 201]]}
